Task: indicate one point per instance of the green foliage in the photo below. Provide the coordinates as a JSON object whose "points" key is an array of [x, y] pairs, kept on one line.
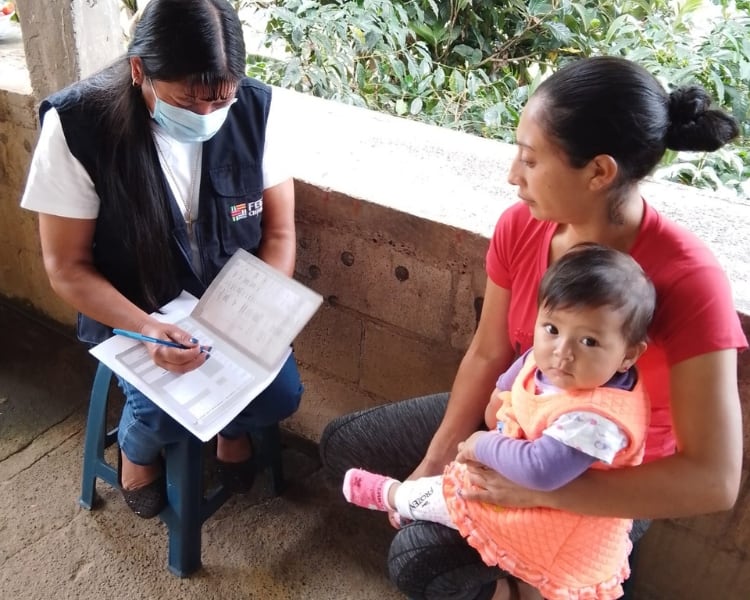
{"points": [[471, 64]]}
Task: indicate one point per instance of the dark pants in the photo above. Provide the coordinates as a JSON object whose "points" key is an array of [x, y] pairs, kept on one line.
{"points": [[426, 561]]}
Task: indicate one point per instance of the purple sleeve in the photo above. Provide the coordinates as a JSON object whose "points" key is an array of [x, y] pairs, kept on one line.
{"points": [[544, 464], [505, 381]]}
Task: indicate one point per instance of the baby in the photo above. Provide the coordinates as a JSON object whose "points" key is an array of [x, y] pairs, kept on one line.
{"points": [[572, 402]]}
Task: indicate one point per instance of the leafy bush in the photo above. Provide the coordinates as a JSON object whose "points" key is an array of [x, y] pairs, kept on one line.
{"points": [[471, 64]]}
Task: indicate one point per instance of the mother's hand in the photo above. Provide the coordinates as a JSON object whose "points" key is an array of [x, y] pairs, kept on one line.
{"points": [[175, 360], [489, 486]]}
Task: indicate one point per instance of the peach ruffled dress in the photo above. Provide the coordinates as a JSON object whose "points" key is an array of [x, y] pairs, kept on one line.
{"points": [[566, 556]]}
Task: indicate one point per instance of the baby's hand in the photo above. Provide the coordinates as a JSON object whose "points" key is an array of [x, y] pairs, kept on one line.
{"points": [[466, 449]]}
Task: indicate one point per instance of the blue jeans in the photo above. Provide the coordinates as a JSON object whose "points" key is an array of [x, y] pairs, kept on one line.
{"points": [[145, 429]]}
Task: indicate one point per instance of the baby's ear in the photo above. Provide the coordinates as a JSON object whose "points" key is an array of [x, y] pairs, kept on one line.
{"points": [[632, 355]]}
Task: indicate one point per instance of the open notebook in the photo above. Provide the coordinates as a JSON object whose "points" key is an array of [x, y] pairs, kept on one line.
{"points": [[249, 314]]}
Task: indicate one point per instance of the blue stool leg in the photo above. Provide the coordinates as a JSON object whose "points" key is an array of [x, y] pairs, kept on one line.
{"points": [[187, 507], [184, 514], [96, 440]]}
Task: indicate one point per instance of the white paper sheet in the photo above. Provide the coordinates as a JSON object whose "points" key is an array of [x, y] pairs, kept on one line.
{"points": [[250, 314]]}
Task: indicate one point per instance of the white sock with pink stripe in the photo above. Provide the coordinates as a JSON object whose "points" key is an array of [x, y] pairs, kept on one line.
{"points": [[422, 500]]}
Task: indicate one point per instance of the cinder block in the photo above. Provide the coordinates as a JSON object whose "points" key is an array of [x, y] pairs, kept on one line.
{"points": [[370, 277], [397, 367], [413, 296], [332, 343], [325, 397], [390, 265], [714, 527], [740, 526], [431, 239], [467, 307], [744, 388], [677, 564], [308, 254], [743, 378]]}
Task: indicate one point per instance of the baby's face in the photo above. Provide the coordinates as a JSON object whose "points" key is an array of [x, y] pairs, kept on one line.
{"points": [[580, 348]]}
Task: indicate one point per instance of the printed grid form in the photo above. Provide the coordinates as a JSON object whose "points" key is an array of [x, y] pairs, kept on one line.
{"points": [[200, 392]]}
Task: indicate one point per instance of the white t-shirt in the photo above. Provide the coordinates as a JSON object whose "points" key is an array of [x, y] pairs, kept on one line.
{"points": [[59, 185], [584, 430], [589, 432]]}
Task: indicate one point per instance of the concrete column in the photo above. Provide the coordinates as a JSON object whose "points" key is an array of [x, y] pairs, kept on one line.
{"points": [[66, 40]]}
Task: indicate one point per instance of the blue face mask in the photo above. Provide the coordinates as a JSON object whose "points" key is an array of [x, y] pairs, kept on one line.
{"points": [[186, 126]]}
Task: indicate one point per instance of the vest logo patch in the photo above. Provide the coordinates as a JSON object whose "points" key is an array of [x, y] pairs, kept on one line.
{"points": [[247, 209], [238, 211]]}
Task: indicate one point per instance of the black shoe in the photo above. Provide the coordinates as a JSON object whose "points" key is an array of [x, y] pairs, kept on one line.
{"points": [[148, 501], [238, 477]]}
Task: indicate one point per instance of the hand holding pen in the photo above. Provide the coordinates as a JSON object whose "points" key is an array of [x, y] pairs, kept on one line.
{"points": [[164, 337], [147, 338]]}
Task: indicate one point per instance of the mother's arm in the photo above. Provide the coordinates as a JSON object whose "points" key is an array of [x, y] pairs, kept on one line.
{"points": [[489, 354], [702, 476]]}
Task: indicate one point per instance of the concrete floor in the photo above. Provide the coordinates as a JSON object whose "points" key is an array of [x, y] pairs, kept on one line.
{"points": [[304, 544]]}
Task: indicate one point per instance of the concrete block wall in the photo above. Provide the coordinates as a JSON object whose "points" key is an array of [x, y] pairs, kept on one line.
{"points": [[22, 273], [393, 222], [707, 556], [400, 295]]}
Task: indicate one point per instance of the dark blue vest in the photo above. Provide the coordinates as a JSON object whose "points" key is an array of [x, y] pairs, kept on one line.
{"points": [[231, 195]]}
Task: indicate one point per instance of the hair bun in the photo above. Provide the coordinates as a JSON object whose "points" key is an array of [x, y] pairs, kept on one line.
{"points": [[694, 125], [688, 103]]}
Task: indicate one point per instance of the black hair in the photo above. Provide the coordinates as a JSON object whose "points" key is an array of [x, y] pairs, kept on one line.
{"points": [[610, 105], [197, 41], [592, 276]]}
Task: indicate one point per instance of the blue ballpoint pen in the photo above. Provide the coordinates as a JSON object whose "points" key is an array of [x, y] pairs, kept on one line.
{"points": [[147, 338]]}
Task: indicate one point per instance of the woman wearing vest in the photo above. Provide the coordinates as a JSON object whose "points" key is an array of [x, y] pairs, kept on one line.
{"points": [[573, 402], [147, 177]]}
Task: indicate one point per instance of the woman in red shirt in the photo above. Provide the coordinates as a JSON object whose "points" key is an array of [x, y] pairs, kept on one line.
{"points": [[586, 138]]}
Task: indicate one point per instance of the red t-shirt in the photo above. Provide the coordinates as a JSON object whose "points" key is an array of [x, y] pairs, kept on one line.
{"points": [[695, 313]]}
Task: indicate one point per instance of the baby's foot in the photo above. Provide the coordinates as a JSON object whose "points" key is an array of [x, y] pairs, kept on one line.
{"points": [[368, 490]]}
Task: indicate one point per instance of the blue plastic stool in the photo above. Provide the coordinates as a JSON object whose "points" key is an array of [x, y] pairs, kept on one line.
{"points": [[187, 507]]}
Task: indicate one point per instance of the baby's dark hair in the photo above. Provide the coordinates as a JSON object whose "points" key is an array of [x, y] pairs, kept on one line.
{"points": [[591, 276]]}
